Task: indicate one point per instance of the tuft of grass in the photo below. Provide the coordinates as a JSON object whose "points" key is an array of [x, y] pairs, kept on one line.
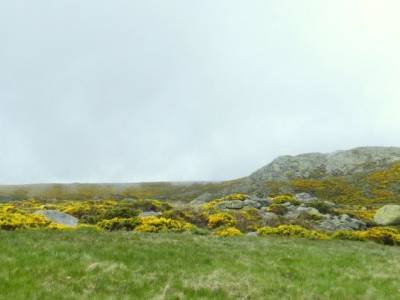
{"points": [[86, 264]]}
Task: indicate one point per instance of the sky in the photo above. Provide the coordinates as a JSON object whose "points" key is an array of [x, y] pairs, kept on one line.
{"points": [[185, 90]]}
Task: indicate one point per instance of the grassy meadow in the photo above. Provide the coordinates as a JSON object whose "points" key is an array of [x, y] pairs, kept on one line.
{"points": [[87, 264]]}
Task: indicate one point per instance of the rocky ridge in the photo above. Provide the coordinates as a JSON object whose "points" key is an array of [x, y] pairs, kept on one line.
{"points": [[320, 165]]}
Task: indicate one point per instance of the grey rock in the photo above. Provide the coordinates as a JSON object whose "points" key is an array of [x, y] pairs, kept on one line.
{"points": [[234, 204], [269, 216], [388, 215], [319, 165], [264, 202], [252, 234], [311, 211], [58, 217], [150, 214], [251, 203], [295, 212], [329, 203], [305, 197], [344, 222], [292, 215]]}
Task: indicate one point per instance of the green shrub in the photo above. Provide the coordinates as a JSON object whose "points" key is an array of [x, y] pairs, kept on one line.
{"points": [[277, 209], [121, 212], [321, 206], [118, 224], [248, 219], [280, 199]]}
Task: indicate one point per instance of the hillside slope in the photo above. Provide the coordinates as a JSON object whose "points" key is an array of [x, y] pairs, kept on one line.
{"points": [[364, 175], [319, 165]]}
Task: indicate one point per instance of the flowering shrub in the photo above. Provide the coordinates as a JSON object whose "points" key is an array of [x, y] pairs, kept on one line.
{"points": [[227, 231], [155, 224], [187, 214], [350, 235], [292, 231], [212, 205], [12, 219], [118, 224], [248, 219], [285, 198], [382, 235], [236, 196], [221, 219], [92, 212]]}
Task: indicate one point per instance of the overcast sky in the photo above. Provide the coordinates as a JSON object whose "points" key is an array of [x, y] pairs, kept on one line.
{"points": [[108, 91]]}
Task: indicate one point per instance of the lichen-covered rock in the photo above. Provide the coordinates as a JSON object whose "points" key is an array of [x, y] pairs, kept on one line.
{"points": [[234, 204], [319, 165], [252, 234], [251, 203], [264, 202], [388, 215], [58, 217], [343, 222], [304, 197], [269, 217]]}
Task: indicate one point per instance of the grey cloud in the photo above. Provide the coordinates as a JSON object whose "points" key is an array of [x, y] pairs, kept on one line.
{"points": [[190, 90]]}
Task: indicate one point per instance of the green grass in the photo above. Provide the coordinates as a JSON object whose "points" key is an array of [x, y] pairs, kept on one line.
{"points": [[122, 265]]}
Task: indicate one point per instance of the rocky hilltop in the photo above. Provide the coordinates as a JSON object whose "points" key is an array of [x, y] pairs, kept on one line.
{"points": [[320, 165]]}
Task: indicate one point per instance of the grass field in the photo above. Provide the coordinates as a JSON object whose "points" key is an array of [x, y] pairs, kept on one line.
{"points": [[121, 265]]}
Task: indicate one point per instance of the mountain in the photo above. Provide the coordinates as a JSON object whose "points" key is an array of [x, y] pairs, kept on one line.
{"points": [[321, 165]]}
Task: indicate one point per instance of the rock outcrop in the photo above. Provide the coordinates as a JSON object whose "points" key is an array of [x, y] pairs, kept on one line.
{"points": [[388, 215], [58, 217], [319, 165]]}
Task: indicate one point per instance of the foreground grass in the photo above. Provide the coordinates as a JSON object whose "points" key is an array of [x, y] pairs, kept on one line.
{"points": [[94, 265]]}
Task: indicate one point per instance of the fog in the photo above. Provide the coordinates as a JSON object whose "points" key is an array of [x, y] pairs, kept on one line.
{"points": [[131, 91]]}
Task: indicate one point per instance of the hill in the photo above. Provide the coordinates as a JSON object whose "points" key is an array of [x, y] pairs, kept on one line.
{"points": [[320, 165], [364, 175]]}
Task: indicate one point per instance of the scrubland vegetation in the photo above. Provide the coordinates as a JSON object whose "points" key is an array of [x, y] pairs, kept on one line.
{"points": [[301, 238], [207, 219]]}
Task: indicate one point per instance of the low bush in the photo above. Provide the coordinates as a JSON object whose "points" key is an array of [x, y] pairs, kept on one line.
{"points": [[12, 219], [321, 206], [384, 235], [292, 231], [236, 196], [155, 224], [381, 235], [248, 219], [350, 235], [221, 219], [227, 232], [187, 214], [118, 224], [280, 199], [278, 209]]}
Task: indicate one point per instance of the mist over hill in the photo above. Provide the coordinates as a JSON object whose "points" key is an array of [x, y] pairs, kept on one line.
{"points": [[365, 174]]}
